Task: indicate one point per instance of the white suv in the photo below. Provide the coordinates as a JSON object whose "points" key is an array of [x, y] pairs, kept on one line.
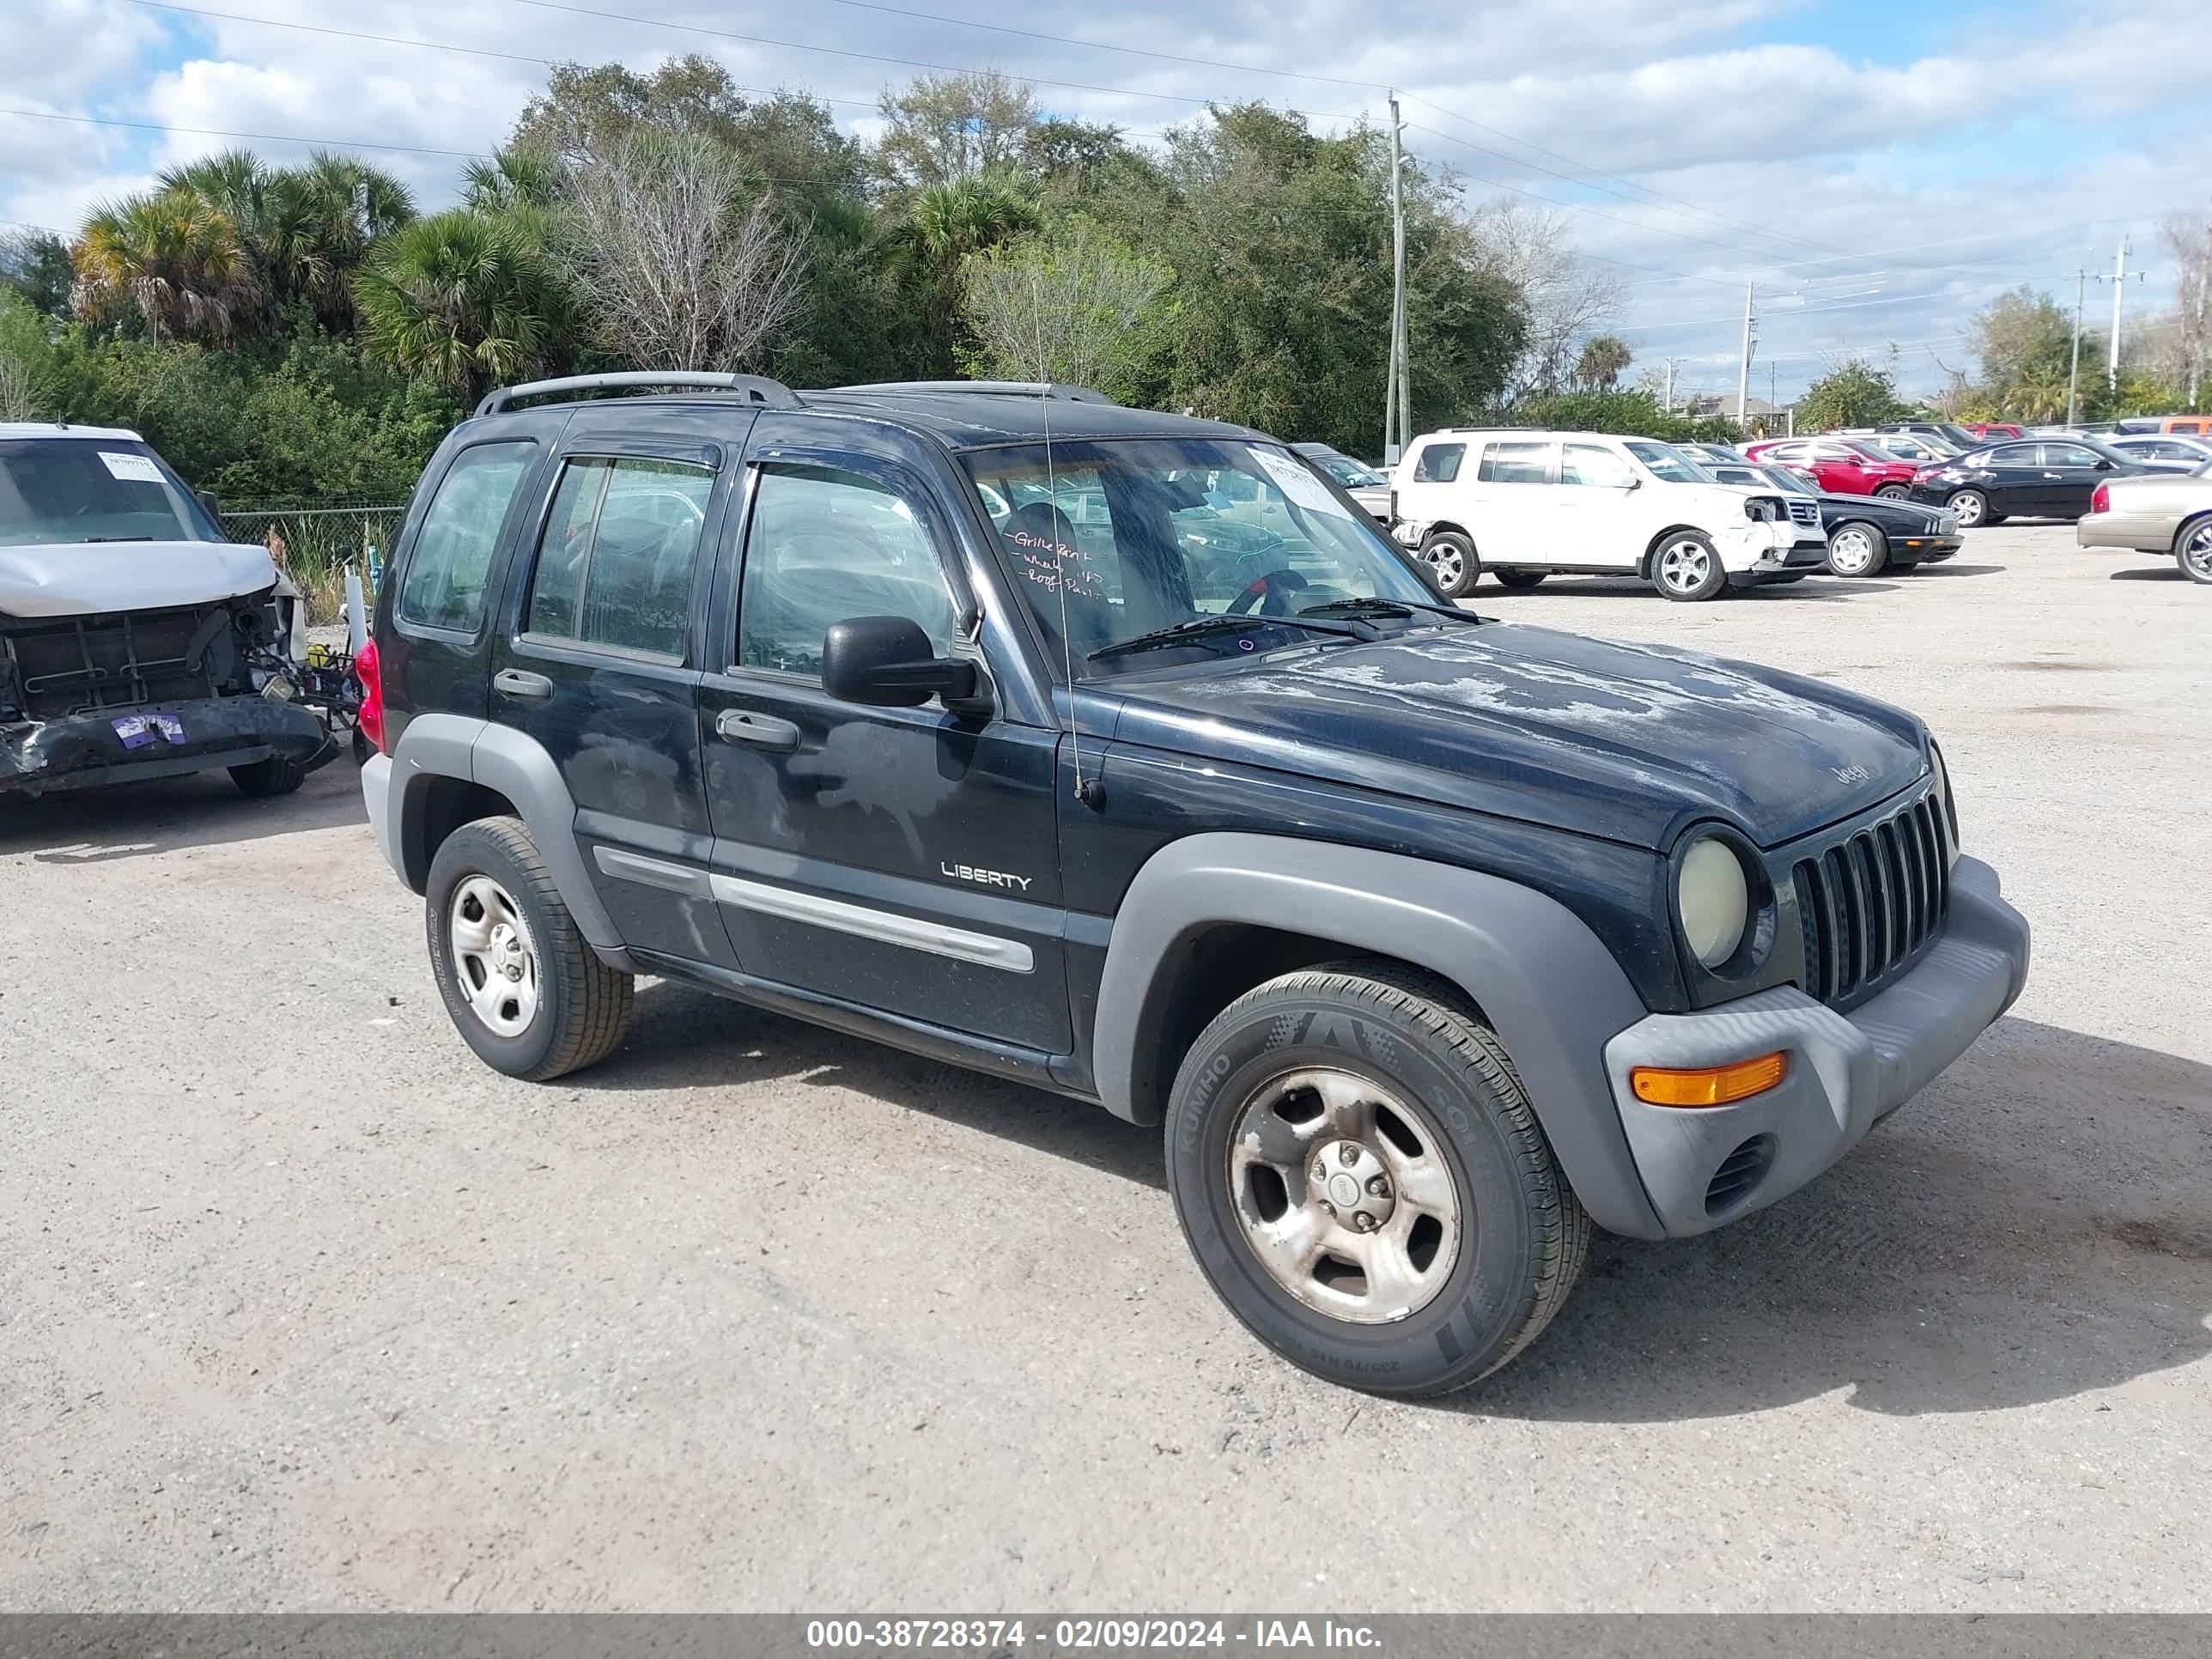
{"points": [[1524, 504]]}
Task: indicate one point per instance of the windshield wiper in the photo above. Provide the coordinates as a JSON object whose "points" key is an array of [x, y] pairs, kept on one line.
{"points": [[1389, 608], [88, 539], [1199, 628]]}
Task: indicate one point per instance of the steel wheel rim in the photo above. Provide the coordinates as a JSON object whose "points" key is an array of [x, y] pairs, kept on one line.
{"points": [[1968, 507], [1684, 566], [1852, 552], [2196, 551], [1344, 1197], [1449, 562], [495, 958]]}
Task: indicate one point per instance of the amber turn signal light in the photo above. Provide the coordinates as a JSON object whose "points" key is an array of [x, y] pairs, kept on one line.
{"points": [[1709, 1085]]}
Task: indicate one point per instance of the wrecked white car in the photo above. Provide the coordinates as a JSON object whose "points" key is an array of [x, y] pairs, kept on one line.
{"points": [[135, 641]]}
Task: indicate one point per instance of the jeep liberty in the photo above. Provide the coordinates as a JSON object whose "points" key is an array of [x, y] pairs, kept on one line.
{"points": [[1121, 754]]}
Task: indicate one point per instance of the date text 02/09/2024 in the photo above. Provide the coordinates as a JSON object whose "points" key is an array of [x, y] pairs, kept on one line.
{"points": [[1073, 1635]]}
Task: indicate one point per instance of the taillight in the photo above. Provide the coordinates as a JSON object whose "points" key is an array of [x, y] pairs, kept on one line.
{"points": [[1922, 474], [370, 717], [2100, 499]]}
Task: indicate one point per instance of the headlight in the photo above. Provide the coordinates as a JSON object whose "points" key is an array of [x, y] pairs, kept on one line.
{"points": [[1713, 900], [1946, 802], [1764, 509]]}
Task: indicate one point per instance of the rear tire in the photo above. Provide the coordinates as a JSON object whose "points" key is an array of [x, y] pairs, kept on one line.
{"points": [[564, 1008], [1686, 568], [1451, 557], [1894, 493], [1519, 580], [1972, 507], [1370, 1073], [2192, 550], [279, 774]]}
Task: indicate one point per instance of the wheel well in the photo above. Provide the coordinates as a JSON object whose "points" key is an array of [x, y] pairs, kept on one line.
{"points": [[2181, 530], [442, 805], [1447, 525], [1210, 971]]}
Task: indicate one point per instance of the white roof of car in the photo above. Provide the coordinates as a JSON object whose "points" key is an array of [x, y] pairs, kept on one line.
{"points": [[1535, 435], [55, 429]]}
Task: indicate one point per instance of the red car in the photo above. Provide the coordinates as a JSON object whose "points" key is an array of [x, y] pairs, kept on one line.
{"points": [[1845, 466], [1994, 429]]}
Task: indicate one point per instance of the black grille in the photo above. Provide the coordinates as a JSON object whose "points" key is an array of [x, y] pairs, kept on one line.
{"points": [[1868, 904], [78, 663], [1739, 1171]]}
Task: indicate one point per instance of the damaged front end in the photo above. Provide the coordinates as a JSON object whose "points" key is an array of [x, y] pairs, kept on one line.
{"points": [[108, 698]]}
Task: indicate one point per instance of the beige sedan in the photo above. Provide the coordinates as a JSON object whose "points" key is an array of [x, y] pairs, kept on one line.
{"points": [[2157, 513]]}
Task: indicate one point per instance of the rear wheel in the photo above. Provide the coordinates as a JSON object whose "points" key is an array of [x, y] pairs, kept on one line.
{"points": [[1450, 554], [1857, 549], [2192, 550], [1894, 493], [1519, 580], [520, 982], [1973, 508], [1686, 568], [1357, 1169], [279, 775]]}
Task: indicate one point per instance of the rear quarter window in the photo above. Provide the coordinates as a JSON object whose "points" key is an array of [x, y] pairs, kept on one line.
{"points": [[448, 572], [1438, 463]]}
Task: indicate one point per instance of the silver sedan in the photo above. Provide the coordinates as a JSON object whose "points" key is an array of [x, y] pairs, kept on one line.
{"points": [[2155, 513]]}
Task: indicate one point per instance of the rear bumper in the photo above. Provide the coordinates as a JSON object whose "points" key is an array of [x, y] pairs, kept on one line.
{"points": [[1846, 1072], [198, 735], [2123, 529]]}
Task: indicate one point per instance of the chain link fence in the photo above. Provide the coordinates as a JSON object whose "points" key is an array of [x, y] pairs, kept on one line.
{"points": [[313, 541]]}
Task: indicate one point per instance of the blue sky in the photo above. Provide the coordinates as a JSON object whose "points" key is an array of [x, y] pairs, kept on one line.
{"points": [[1878, 170]]}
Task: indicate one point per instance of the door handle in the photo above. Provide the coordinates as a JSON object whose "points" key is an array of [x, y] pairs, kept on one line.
{"points": [[519, 682], [764, 731]]}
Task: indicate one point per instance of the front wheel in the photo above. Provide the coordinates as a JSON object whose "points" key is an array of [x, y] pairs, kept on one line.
{"points": [[276, 775], [1857, 550], [1686, 568], [2192, 551], [1357, 1169], [520, 982], [1452, 556], [1519, 580]]}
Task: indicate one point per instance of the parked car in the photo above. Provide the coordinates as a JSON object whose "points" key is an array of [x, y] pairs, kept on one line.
{"points": [[1524, 505], [1845, 466], [2032, 478], [2172, 454], [137, 641], [1867, 534], [1949, 432], [1986, 430], [2192, 426], [1370, 488], [1705, 452], [1906, 446], [1568, 934], [2156, 512]]}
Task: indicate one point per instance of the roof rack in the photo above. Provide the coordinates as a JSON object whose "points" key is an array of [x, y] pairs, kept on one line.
{"points": [[752, 388], [1072, 394]]}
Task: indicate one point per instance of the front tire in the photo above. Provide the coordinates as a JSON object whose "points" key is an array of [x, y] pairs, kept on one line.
{"points": [[1858, 550], [1450, 555], [1519, 580], [1686, 568], [2192, 550], [520, 982], [276, 775], [1357, 1169]]}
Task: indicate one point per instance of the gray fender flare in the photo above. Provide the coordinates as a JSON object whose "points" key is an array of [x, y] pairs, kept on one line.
{"points": [[1549, 989], [515, 764]]}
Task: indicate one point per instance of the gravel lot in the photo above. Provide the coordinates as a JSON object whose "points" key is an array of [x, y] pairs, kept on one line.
{"points": [[302, 1308]]}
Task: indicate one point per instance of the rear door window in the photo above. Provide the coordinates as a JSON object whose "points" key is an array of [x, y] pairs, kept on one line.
{"points": [[615, 568], [1438, 463], [444, 584], [1516, 462], [1592, 464]]}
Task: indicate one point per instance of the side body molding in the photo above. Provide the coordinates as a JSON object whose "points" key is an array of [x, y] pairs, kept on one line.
{"points": [[499, 757], [1550, 990]]}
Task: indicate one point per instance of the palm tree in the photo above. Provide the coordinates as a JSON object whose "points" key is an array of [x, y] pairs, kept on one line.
{"points": [[1603, 357], [513, 178], [317, 225], [181, 261], [944, 224], [460, 298]]}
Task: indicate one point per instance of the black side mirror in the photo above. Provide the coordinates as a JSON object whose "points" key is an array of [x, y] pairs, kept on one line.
{"points": [[208, 500], [2104, 465], [886, 662]]}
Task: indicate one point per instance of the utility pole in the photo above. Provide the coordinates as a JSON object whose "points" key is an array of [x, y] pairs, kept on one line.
{"points": [[1397, 403], [1667, 397], [2074, 374], [2119, 287], [1743, 369]]}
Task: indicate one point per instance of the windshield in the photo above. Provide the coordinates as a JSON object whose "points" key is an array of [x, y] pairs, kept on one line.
{"points": [[1124, 539], [1348, 472], [1668, 463], [1783, 478], [94, 490]]}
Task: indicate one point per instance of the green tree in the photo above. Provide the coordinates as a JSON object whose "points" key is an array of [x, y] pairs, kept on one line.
{"points": [[1854, 393], [34, 267], [174, 257], [460, 299], [1603, 360], [945, 223], [1072, 303], [941, 128], [1632, 414], [316, 225]]}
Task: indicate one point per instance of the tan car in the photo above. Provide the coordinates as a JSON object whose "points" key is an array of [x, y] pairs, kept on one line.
{"points": [[2157, 513]]}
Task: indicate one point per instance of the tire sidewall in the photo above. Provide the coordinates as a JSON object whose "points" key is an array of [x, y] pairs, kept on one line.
{"points": [[1470, 563], [1484, 1303], [2187, 534], [1716, 583], [470, 851]]}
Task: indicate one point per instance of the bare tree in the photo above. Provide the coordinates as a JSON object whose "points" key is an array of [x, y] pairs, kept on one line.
{"points": [[2190, 241], [1567, 298], [15, 401], [1072, 304], [679, 261], [943, 127]]}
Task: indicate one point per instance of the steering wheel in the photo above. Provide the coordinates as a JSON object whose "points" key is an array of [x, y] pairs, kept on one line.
{"points": [[1270, 592]]}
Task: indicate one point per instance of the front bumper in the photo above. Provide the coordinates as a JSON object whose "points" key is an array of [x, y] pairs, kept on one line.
{"points": [[1922, 549], [1846, 1072], [81, 750]]}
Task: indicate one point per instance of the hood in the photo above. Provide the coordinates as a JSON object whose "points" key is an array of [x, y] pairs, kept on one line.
{"points": [[1631, 743], [83, 578]]}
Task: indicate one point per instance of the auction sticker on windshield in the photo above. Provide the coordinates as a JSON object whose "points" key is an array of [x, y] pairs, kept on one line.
{"points": [[138, 469], [1300, 485]]}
